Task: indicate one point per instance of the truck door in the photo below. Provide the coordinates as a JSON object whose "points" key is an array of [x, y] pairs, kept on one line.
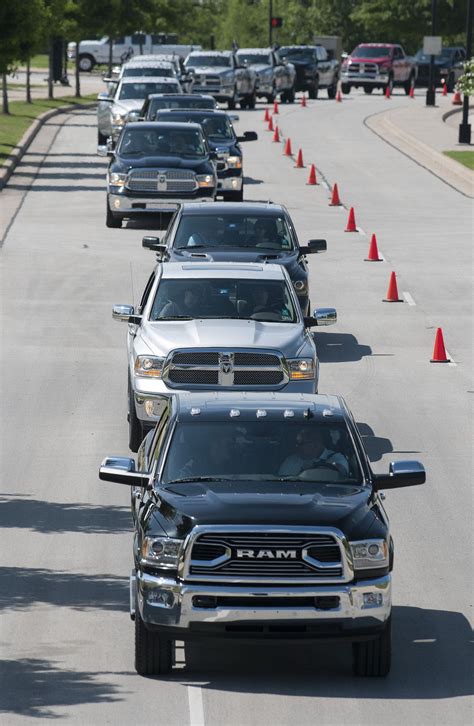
{"points": [[400, 65], [324, 67]]}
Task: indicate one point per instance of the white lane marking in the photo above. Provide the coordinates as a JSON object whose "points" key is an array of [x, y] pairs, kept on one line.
{"points": [[450, 357], [325, 184], [360, 230], [196, 707], [408, 298]]}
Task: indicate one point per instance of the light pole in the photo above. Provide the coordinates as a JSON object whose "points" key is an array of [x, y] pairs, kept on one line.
{"points": [[465, 127]]}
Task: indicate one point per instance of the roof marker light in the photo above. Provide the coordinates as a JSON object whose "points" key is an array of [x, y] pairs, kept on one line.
{"points": [[234, 412], [195, 411], [261, 412], [327, 412], [288, 413]]}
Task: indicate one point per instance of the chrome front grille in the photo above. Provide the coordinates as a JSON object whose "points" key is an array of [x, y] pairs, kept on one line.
{"points": [[368, 69], [256, 554], [154, 180], [224, 368]]}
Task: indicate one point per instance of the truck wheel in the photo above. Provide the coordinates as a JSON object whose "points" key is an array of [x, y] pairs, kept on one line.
{"points": [[101, 139], [407, 86], [450, 83], [86, 62], [372, 658], [388, 85], [135, 428], [332, 91], [251, 101], [290, 95], [234, 196], [368, 89], [112, 220], [153, 653], [345, 88], [231, 103]]}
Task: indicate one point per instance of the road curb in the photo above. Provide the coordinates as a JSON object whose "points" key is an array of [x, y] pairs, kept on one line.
{"points": [[447, 170], [13, 159], [455, 111]]}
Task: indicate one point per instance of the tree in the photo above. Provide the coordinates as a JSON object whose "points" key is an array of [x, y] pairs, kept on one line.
{"points": [[32, 32], [466, 81]]}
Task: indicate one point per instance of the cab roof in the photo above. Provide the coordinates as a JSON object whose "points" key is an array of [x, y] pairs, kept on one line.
{"points": [[221, 270], [233, 208], [217, 53], [259, 406], [157, 125], [149, 79]]}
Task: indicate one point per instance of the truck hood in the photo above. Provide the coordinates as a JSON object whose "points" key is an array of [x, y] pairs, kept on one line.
{"points": [[231, 254], [132, 104], [163, 337], [161, 162], [259, 67], [211, 70], [182, 506], [382, 59]]}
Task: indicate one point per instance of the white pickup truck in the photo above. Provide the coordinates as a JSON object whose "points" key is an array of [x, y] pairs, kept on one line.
{"points": [[96, 52]]}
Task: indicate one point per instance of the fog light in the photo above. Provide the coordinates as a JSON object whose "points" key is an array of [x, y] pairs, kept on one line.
{"points": [[161, 598], [234, 183], [116, 203], [373, 599], [149, 406]]}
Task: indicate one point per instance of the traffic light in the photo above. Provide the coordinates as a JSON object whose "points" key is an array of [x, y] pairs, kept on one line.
{"points": [[276, 22]]}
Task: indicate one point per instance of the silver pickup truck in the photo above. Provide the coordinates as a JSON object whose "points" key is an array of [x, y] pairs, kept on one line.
{"points": [[216, 326], [275, 77], [219, 74]]}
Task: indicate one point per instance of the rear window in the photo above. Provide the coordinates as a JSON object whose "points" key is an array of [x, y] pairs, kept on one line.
{"points": [[132, 91]]}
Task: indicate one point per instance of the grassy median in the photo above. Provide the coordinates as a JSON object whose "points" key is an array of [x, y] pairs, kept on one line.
{"points": [[464, 157], [22, 115]]}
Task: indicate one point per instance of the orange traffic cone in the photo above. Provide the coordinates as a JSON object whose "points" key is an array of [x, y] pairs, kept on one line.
{"points": [[335, 201], [412, 92], [299, 160], [392, 292], [445, 89], [457, 100], [351, 222], [270, 124], [373, 255], [276, 135], [387, 92], [439, 351], [312, 176], [338, 96], [303, 100], [287, 151], [266, 118], [275, 107]]}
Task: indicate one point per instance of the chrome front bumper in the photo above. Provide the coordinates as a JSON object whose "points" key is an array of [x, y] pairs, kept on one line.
{"points": [[229, 183], [122, 204], [362, 79], [169, 603]]}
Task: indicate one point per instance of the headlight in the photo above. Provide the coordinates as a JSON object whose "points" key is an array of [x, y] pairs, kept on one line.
{"points": [[369, 553], [301, 368], [118, 119], [234, 162], [161, 552], [205, 180], [301, 287], [383, 71], [149, 365], [117, 180]]}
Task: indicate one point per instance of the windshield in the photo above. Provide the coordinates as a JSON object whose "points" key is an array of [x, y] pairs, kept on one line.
{"points": [[368, 51], [157, 104], [446, 55], [218, 61], [264, 300], [254, 58], [162, 142], [140, 90], [215, 127], [238, 230], [152, 71], [298, 54], [262, 450]]}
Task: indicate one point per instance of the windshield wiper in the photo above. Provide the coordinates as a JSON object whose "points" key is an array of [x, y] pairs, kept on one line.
{"points": [[176, 317], [187, 479]]}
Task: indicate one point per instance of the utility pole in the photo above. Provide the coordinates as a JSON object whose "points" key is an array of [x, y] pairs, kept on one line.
{"points": [[270, 27], [465, 126]]}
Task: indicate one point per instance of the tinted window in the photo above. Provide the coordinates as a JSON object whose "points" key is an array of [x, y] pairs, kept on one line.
{"points": [[139, 90], [156, 104], [234, 230], [265, 300], [218, 61], [366, 51], [263, 450], [298, 54], [254, 58], [215, 127], [162, 142], [163, 72], [138, 39]]}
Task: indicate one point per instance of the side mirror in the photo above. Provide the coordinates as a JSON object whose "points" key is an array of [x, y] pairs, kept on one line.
{"points": [[248, 136], [125, 313], [401, 474], [313, 247], [213, 155], [102, 150], [151, 243], [132, 116], [233, 116], [121, 470], [107, 79], [104, 96], [321, 317]]}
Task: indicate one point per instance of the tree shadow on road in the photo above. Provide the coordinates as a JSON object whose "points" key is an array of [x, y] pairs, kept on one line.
{"points": [[32, 687], [24, 587], [47, 517], [431, 660]]}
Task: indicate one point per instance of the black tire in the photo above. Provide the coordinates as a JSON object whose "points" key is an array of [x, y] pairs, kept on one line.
{"points": [[368, 90], [136, 433], [101, 139], [234, 196], [290, 96], [332, 90], [345, 88], [231, 103], [86, 62], [251, 101], [372, 658], [243, 104], [407, 86], [313, 91], [450, 83], [111, 219], [153, 653], [388, 85]]}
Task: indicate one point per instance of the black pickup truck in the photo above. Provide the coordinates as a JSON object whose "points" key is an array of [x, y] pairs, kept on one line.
{"points": [[258, 515], [314, 69]]}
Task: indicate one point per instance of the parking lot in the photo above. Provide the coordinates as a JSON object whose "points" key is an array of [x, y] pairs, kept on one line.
{"points": [[67, 640]]}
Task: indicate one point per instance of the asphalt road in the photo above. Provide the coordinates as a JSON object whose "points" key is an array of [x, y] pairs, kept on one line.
{"points": [[65, 538]]}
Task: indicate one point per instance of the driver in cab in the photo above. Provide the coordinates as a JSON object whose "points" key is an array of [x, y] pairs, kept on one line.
{"points": [[312, 453]]}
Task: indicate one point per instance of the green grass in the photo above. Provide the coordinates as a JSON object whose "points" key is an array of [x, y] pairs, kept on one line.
{"points": [[464, 157], [22, 115], [40, 61]]}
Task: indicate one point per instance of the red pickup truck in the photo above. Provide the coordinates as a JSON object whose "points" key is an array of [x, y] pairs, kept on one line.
{"points": [[378, 65]]}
